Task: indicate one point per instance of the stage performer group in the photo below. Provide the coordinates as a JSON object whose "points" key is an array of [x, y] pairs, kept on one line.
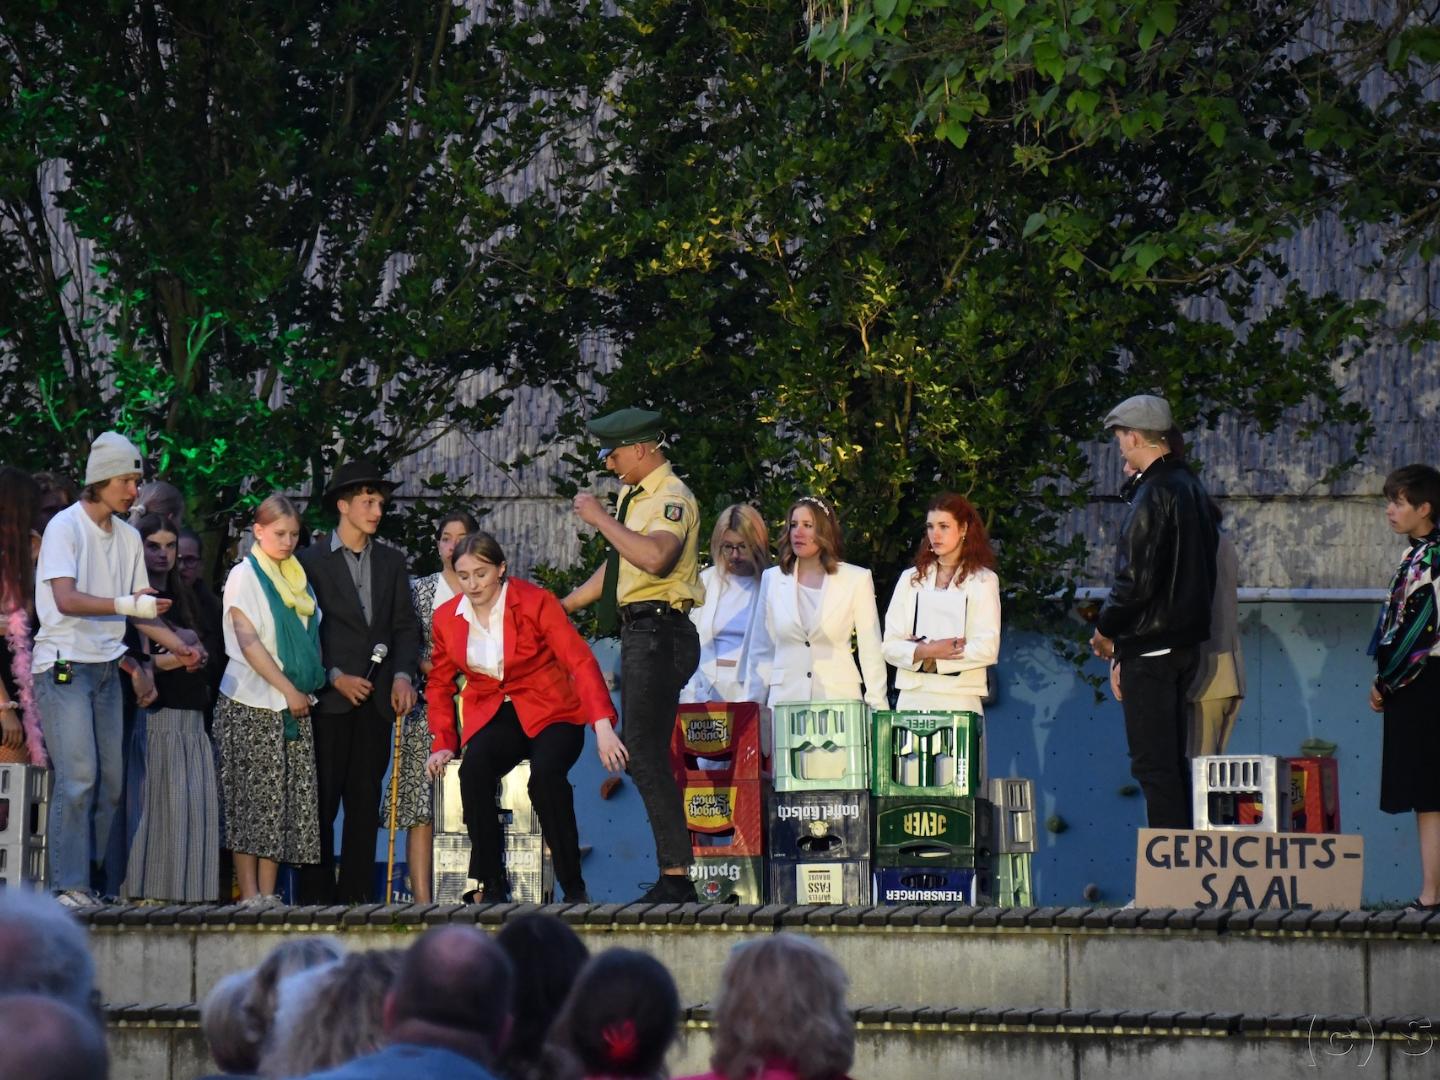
{"points": [[196, 735]]}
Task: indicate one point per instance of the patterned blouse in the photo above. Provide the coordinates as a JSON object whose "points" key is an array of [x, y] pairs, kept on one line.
{"points": [[1408, 635]]}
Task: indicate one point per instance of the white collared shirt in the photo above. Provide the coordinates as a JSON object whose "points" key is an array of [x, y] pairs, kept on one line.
{"points": [[485, 644]]}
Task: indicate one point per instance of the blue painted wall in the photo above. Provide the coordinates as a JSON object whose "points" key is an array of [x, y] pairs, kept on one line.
{"points": [[1306, 675]]}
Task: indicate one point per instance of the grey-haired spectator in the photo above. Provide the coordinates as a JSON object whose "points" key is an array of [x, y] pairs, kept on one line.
{"points": [[286, 959], [163, 498], [330, 1015], [781, 1014], [44, 951], [448, 1014], [91, 579], [42, 1038], [225, 1024]]}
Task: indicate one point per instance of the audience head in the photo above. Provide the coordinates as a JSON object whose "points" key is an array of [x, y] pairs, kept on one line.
{"points": [[953, 530], [288, 958], [277, 527], [57, 491], [782, 998], [453, 528], [44, 951], [454, 990], [42, 1038], [811, 530], [546, 956], [619, 1020], [163, 498], [189, 554], [740, 544], [330, 1015], [160, 538], [19, 518], [225, 1024]]}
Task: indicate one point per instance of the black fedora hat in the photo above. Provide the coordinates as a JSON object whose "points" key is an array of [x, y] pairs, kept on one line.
{"points": [[355, 474]]}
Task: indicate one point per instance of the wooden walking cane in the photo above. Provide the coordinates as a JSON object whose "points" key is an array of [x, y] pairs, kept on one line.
{"points": [[396, 757]]}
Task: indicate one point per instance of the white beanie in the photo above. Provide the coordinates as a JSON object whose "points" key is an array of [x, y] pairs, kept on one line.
{"points": [[111, 455]]}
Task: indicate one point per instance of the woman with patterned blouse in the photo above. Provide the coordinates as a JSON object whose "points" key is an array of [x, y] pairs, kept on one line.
{"points": [[1407, 685], [415, 814]]}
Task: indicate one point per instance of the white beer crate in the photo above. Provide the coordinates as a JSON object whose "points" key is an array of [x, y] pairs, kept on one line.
{"points": [[1241, 793], [24, 792], [1014, 802]]}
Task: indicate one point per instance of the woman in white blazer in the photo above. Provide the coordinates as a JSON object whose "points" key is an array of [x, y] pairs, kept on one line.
{"points": [[810, 606], [942, 628], [740, 546]]}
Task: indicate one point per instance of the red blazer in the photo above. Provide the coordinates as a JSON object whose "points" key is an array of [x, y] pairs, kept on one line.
{"points": [[550, 675]]}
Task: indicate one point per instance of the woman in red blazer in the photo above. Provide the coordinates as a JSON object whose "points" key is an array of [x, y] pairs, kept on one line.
{"points": [[531, 685]]}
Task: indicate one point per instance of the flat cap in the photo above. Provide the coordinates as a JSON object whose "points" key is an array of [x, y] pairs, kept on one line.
{"points": [[1143, 412], [625, 427]]}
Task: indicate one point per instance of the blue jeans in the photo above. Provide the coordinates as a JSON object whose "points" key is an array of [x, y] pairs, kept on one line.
{"points": [[83, 728]]}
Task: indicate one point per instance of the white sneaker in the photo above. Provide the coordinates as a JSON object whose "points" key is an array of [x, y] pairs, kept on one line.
{"points": [[78, 899]]}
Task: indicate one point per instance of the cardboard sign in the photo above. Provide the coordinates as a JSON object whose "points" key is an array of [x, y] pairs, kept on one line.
{"points": [[1186, 868]]}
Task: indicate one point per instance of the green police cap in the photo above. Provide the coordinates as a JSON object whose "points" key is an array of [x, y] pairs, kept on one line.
{"points": [[625, 427]]}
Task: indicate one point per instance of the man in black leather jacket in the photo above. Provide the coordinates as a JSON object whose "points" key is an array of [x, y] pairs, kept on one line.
{"points": [[1158, 610]]}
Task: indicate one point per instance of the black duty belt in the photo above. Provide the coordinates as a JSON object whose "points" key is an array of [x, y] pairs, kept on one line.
{"points": [[653, 609]]}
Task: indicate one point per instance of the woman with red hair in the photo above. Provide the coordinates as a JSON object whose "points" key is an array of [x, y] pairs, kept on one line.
{"points": [[942, 629]]}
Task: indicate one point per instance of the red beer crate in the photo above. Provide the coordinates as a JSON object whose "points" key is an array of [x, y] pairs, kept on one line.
{"points": [[1314, 795], [718, 741], [724, 818]]}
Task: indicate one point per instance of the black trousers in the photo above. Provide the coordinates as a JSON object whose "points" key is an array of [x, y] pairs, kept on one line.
{"points": [[1153, 691], [491, 753], [658, 654], [352, 751]]}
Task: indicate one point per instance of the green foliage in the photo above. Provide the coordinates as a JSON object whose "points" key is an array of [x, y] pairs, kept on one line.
{"points": [[935, 262], [286, 208]]}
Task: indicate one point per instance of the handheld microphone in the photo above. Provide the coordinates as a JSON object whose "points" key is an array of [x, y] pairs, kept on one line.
{"points": [[377, 657]]}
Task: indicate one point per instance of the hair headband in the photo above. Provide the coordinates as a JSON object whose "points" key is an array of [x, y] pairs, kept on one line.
{"points": [[815, 500]]}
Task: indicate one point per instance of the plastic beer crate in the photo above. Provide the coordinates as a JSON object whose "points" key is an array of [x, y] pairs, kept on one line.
{"points": [[1241, 793], [24, 790], [926, 753], [818, 825], [1014, 801], [724, 818], [821, 746], [718, 741], [24, 863], [1314, 795], [933, 831], [512, 801], [728, 880], [528, 868], [927, 884], [811, 881], [1011, 879]]}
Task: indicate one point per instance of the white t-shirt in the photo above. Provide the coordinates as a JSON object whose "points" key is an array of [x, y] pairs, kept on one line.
{"points": [[103, 563], [241, 682]]}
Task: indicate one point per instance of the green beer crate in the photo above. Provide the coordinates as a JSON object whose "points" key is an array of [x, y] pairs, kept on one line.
{"points": [[934, 831], [729, 879], [821, 746], [1011, 879], [925, 753]]}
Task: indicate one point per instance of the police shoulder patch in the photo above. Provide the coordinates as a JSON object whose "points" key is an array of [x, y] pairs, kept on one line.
{"points": [[674, 511]]}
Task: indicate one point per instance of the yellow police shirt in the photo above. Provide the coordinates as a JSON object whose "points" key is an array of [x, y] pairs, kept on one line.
{"points": [[663, 504]]}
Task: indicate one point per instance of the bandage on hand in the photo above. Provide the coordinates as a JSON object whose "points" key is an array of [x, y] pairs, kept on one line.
{"points": [[137, 606]]}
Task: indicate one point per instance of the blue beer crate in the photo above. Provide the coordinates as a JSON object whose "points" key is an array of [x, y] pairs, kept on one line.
{"points": [[818, 825], [929, 884], [942, 831], [816, 881], [821, 746], [926, 753]]}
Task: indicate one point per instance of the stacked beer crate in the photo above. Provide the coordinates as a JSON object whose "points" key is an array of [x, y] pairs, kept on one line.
{"points": [[1262, 793], [819, 819], [1013, 802], [24, 790], [527, 862], [933, 830], [715, 751]]}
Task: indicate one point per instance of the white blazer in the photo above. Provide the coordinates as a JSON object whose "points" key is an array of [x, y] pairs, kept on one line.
{"points": [[788, 661], [954, 679], [710, 681]]}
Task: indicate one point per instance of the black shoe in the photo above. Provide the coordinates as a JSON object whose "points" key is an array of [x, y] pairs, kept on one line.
{"points": [[577, 895], [670, 889]]}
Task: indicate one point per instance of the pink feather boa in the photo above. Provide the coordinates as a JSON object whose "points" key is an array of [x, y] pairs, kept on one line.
{"points": [[17, 632]]}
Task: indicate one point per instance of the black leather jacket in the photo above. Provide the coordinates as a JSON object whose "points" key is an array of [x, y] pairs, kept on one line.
{"points": [[1164, 564]]}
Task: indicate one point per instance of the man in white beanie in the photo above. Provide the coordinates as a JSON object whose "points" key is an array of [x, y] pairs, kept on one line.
{"points": [[1158, 610], [91, 578]]}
